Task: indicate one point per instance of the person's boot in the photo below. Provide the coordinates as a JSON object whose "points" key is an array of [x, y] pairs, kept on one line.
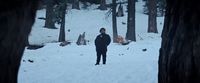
{"points": [[97, 64]]}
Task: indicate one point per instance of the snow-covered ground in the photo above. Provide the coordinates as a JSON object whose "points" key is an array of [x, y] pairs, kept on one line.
{"points": [[75, 64]]}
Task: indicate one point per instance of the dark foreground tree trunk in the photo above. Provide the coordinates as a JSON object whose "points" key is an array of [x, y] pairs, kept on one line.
{"points": [[152, 22], [15, 22], [130, 35], [114, 19], [179, 59]]}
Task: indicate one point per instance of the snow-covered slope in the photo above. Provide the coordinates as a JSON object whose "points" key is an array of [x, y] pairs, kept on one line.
{"points": [[75, 64]]}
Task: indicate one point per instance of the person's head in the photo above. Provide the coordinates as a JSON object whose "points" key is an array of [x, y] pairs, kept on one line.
{"points": [[102, 30]]}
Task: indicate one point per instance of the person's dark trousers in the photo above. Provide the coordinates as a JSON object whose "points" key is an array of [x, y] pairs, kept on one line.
{"points": [[99, 54], [104, 57], [98, 57]]}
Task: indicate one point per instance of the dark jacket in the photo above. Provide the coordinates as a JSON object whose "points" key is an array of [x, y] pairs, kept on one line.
{"points": [[102, 41]]}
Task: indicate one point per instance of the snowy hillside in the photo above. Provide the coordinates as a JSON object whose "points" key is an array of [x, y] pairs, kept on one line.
{"points": [[75, 64]]}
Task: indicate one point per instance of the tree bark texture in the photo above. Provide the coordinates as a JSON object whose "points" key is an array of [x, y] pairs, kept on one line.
{"points": [[152, 22], [50, 15], [114, 19], [130, 35], [62, 26], [15, 22], [179, 59]]}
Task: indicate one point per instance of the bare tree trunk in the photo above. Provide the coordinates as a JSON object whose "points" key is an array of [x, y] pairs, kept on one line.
{"points": [[114, 19], [103, 5], [120, 12], [152, 24], [130, 35], [49, 22], [62, 27], [75, 4], [179, 59], [16, 22]]}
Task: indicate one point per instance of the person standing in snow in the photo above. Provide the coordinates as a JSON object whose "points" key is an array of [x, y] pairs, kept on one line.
{"points": [[101, 43]]}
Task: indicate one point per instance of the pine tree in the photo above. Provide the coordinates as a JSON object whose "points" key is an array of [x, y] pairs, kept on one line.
{"points": [[114, 19], [50, 15], [63, 7], [152, 22], [160, 5], [130, 35]]}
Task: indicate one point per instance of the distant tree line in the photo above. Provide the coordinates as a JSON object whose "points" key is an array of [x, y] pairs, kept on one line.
{"points": [[55, 13]]}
